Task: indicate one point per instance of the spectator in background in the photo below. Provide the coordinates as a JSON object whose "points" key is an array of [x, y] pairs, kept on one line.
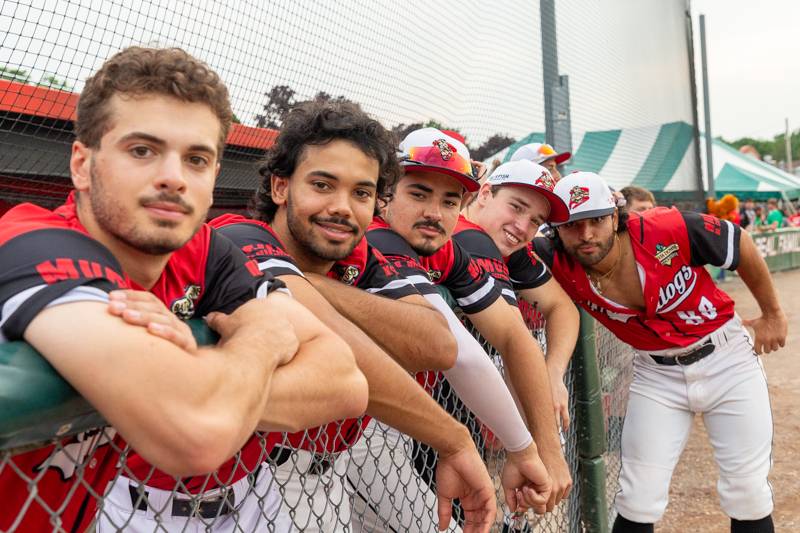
{"points": [[748, 215], [761, 218], [638, 199], [774, 216], [542, 154]]}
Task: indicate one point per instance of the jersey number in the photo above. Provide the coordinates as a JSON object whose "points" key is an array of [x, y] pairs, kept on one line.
{"points": [[706, 308]]}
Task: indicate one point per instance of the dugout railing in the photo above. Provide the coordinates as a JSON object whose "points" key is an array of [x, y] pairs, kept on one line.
{"points": [[37, 407]]}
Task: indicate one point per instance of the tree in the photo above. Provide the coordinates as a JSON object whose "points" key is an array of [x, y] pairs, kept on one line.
{"points": [[279, 103], [776, 148], [491, 146], [51, 81], [14, 74]]}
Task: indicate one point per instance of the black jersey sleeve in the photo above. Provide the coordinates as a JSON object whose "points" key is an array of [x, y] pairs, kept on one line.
{"points": [[712, 241], [402, 257], [260, 245], [544, 248], [380, 277], [526, 270], [231, 278], [472, 287], [45, 266], [484, 252]]}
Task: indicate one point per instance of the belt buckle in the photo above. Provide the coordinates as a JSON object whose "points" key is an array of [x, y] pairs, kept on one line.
{"points": [[207, 507]]}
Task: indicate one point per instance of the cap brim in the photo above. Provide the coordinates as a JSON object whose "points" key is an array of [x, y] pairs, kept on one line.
{"points": [[559, 213], [560, 158], [588, 214], [469, 183]]}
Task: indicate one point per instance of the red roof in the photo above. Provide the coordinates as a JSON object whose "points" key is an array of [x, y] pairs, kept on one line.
{"points": [[18, 97]]}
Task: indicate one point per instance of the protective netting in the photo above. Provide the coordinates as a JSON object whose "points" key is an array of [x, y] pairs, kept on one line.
{"points": [[470, 66]]}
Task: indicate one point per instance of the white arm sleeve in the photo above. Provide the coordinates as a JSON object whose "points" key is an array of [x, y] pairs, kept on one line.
{"points": [[480, 385]]}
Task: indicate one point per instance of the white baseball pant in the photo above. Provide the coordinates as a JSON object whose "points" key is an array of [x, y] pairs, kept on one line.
{"points": [[314, 502], [388, 495], [255, 509], [729, 389]]}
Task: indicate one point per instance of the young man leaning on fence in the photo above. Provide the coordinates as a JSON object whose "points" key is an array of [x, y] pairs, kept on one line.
{"points": [[150, 130], [320, 183], [643, 278], [419, 216], [496, 228]]}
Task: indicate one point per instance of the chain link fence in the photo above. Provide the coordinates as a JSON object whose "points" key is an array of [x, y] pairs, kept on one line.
{"points": [[384, 482]]}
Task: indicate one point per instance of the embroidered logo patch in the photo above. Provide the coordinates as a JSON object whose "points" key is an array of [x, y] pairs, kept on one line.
{"points": [[665, 254], [578, 195], [546, 181], [183, 307], [349, 275], [445, 149]]}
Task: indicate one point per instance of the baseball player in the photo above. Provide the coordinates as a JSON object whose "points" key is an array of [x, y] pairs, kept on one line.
{"points": [[496, 228], [643, 278], [419, 217], [542, 154], [143, 183], [322, 178]]}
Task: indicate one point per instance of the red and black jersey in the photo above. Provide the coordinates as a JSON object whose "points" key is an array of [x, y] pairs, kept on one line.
{"points": [[365, 268], [521, 270], [451, 266], [48, 258], [682, 303]]}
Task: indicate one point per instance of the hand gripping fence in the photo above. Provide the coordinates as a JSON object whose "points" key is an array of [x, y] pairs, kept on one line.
{"points": [[384, 482]]}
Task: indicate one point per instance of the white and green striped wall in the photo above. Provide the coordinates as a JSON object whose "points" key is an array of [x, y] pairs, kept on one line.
{"points": [[662, 158]]}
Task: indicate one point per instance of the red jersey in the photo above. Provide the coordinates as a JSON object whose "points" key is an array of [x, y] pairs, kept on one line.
{"points": [[46, 258], [682, 303], [365, 268]]}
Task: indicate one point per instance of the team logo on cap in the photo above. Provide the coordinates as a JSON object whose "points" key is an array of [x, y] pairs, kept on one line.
{"points": [[445, 149], [578, 195], [665, 254], [183, 307], [546, 181]]}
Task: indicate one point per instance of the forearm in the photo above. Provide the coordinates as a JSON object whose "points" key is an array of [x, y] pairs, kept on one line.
{"points": [[322, 383], [561, 329], [480, 386], [755, 274], [417, 336], [562, 322]]}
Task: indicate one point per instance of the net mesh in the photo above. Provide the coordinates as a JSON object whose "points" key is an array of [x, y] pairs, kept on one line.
{"points": [[383, 482], [473, 67]]}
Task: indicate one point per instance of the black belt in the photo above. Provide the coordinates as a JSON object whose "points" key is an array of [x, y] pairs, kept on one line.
{"points": [[318, 466], [219, 505], [688, 359]]}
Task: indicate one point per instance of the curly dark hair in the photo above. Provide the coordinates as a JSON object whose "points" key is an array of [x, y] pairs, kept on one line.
{"points": [[316, 123], [137, 71]]}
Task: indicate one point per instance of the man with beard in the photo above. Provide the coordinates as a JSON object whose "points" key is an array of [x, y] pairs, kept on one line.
{"points": [[151, 126], [643, 277], [419, 217], [496, 228], [321, 180]]}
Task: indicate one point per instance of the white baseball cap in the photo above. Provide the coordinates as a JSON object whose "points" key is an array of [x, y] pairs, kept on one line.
{"points": [[539, 153], [430, 149], [586, 195], [524, 173]]}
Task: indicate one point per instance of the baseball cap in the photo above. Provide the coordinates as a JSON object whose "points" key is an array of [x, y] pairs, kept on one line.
{"points": [[586, 195], [524, 173], [539, 153], [430, 149]]}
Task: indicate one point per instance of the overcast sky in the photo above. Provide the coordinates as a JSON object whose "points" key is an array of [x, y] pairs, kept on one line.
{"points": [[753, 65]]}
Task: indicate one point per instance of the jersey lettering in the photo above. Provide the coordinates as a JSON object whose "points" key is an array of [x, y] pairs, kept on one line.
{"points": [[677, 290]]}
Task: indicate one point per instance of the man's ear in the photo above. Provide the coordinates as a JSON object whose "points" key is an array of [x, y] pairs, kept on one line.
{"points": [[615, 220], [279, 189], [80, 166]]}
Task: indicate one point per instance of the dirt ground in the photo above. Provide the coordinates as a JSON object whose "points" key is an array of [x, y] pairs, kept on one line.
{"points": [[693, 502]]}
